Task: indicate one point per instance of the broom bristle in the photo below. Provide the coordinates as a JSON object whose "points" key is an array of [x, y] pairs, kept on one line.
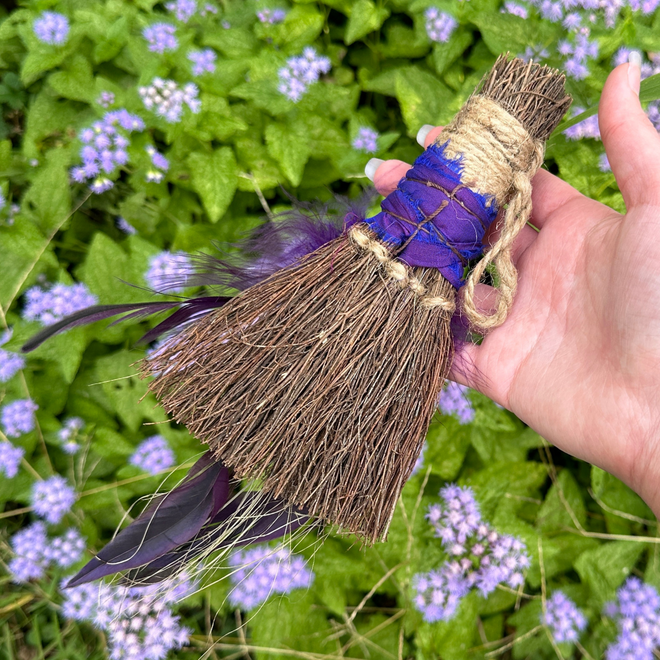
{"points": [[322, 381], [533, 94]]}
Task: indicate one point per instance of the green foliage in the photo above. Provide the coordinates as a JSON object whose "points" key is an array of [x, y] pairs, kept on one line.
{"points": [[584, 530]]}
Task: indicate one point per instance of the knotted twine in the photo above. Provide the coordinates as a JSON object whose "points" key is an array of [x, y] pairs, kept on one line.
{"points": [[482, 161]]}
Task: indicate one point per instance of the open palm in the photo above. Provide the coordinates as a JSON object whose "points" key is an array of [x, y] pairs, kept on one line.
{"points": [[578, 358]]}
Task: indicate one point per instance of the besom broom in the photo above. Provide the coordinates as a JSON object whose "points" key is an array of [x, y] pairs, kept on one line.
{"points": [[319, 379]]}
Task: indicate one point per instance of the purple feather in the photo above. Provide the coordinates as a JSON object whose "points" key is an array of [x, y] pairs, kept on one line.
{"points": [[170, 521]]}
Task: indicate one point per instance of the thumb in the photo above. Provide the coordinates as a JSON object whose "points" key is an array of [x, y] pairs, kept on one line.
{"points": [[631, 141]]}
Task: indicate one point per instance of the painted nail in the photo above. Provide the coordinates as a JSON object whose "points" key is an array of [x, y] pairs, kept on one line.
{"points": [[371, 167], [634, 70], [422, 133]]}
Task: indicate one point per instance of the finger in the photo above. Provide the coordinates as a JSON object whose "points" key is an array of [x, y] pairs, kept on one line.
{"points": [[427, 135], [388, 174], [631, 141]]}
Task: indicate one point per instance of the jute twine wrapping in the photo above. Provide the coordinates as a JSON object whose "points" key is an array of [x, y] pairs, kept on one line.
{"points": [[499, 158]]}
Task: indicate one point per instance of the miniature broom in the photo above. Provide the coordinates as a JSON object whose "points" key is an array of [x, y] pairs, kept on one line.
{"points": [[320, 381]]}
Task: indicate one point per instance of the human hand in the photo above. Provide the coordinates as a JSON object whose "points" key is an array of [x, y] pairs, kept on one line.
{"points": [[578, 358]]}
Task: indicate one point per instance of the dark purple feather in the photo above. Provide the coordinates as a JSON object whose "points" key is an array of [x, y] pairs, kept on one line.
{"points": [[92, 314], [170, 521], [275, 521]]}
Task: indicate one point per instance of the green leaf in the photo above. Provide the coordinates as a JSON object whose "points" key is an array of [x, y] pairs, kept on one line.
{"points": [[37, 62], [606, 567], [422, 98], [114, 40], [365, 18], [25, 254], [447, 444], [289, 145], [290, 622], [444, 54], [563, 506], [650, 88], [302, 26], [106, 266], [125, 390], [49, 193], [214, 177], [75, 81]]}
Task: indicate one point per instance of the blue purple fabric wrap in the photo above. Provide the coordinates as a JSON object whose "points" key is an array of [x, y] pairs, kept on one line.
{"points": [[432, 219]]}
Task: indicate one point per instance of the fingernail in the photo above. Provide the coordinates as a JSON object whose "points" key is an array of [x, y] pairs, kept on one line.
{"points": [[634, 70], [422, 133], [371, 167]]}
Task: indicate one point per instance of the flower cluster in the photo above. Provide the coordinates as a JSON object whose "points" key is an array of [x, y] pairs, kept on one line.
{"points": [[153, 455], [365, 140], [637, 616], [563, 617], [160, 163], [580, 52], [481, 558], [10, 362], [604, 163], [262, 571], [124, 226], [160, 37], [168, 271], [439, 25], [138, 621], [51, 28], [515, 9], [47, 306], [35, 552], [18, 417], [184, 10], [534, 53], [10, 459], [52, 498], [104, 149], [300, 72], [453, 400], [167, 100], [106, 99], [271, 15], [68, 434], [203, 61], [587, 128]]}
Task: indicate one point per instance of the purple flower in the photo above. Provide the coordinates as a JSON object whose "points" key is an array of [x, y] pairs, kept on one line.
{"points": [[157, 159], [29, 545], [51, 28], [52, 498], [437, 594], [637, 617], [18, 417], [366, 140], [184, 10], [47, 306], [535, 53], [453, 400], [125, 226], [167, 100], [564, 619], [160, 37], [553, 11], [10, 459], [100, 185], [587, 128], [138, 621], [604, 163], [153, 455], [168, 271], [300, 72], [65, 550], [480, 557], [69, 432], [572, 21], [576, 69], [203, 61], [271, 15], [515, 9], [439, 25], [106, 99], [262, 571], [10, 363]]}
